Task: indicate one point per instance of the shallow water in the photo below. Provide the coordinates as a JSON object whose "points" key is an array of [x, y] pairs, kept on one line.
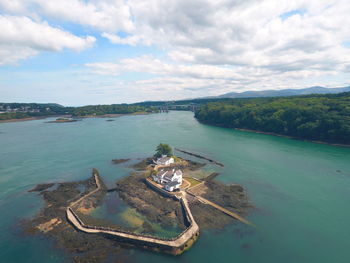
{"points": [[118, 213], [301, 190]]}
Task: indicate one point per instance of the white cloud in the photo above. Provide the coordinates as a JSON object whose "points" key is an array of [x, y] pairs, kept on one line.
{"points": [[21, 37], [115, 39], [108, 15], [14, 6], [243, 32], [11, 54], [103, 15], [251, 43], [221, 44], [104, 68], [199, 79]]}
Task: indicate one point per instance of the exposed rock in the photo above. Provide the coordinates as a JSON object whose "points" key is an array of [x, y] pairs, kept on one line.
{"points": [[62, 120], [49, 225], [41, 187], [52, 222], [228, 196], [156, 208], [118, 161], [143, 165], [207, 217]]}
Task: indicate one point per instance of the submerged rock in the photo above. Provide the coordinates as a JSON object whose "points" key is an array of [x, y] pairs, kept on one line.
{"points": [[41, 187], [118, 161]]}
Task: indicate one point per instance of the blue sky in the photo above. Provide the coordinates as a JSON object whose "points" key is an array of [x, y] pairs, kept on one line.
{"points": [[76, 52]]}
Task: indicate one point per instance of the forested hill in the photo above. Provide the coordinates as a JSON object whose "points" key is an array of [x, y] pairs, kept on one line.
{"points": [[25, 110], [314, 117]]}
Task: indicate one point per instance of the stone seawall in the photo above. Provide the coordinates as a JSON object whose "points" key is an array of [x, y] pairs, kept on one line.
{"points": [[173, 246], [161, 191]]}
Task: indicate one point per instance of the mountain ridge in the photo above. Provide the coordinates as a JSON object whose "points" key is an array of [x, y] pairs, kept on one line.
{"points": [[281, 93]]}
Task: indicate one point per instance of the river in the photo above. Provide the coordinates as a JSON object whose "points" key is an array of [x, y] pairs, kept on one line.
{"points": [[300, 190]]}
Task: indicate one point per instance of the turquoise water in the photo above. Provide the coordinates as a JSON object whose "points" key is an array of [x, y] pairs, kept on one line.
{"points": [[301, 190]]}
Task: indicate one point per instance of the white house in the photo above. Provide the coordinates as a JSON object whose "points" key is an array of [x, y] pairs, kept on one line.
{"points": [[165, 160], [171, 186], [170, 179]]}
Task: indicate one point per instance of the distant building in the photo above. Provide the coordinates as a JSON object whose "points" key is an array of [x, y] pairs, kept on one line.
{"points": [[171, 179], [165, 160]]}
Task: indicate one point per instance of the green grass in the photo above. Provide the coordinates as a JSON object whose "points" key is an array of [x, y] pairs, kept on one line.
{"points": [[192, 181]]}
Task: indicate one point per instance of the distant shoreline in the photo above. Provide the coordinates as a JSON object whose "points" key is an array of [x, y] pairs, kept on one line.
{"points": [[113, 115], [80, 117], [24, 119]]}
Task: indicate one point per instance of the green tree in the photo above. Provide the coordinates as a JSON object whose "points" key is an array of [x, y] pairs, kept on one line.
{"points": [[163, 149], [316, 117]]}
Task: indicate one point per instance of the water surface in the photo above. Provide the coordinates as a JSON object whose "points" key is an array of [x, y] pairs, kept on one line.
{"points": [[301, 190]]}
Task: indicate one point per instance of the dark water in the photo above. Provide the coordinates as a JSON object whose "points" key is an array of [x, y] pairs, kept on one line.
{"points": [[301, 190]]}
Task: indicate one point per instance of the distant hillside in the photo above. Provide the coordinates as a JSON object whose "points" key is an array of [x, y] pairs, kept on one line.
{"points": [[283, 93]]}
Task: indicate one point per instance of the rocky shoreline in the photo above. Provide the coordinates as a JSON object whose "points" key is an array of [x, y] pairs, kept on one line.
{"points": [[51, 221], [78, 117], [63, 120]]}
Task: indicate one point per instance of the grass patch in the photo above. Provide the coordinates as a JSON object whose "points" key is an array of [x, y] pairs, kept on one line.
{"points": [[192, 181]]}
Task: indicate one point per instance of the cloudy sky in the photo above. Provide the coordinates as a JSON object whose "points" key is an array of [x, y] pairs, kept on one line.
{"points": [[77, 52]]}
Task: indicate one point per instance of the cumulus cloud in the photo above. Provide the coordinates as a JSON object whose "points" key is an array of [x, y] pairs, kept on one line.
{"points": [[229, 44], [195, 78], [115, 39], [108, 15], [15, 6], [237, 43], [152, 65], [21, 37], [104, 15]]}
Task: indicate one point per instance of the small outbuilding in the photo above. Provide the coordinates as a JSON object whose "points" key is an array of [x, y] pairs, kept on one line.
{"points": [[165, 160]]}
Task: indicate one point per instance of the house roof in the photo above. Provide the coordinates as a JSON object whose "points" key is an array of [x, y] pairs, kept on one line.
{"points": [[172, 183], [164, 159], [168, 175]]}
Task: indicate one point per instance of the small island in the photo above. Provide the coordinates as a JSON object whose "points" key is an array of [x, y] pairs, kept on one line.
{"points": [[165, 209], [63, 120]]}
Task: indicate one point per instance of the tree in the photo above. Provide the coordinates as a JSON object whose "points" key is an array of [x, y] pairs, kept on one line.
{"points": [[163, 149], [316, 117]]}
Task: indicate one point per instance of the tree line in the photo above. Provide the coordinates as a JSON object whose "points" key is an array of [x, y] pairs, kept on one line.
{"points": [[55, 109], [313, 117], [110, 109]]}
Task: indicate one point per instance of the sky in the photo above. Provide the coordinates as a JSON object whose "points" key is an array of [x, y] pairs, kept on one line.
{"points": [[79, 52]]}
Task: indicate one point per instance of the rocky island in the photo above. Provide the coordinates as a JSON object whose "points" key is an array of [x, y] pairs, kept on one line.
{"points": [[158, 218], [63, 120]]}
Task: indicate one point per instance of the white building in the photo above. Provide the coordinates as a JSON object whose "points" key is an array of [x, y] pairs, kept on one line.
{"points": [[165, 160], [170, 179]]}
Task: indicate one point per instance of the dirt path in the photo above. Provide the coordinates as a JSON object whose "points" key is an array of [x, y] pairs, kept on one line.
{"points": [[226, 211]]}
